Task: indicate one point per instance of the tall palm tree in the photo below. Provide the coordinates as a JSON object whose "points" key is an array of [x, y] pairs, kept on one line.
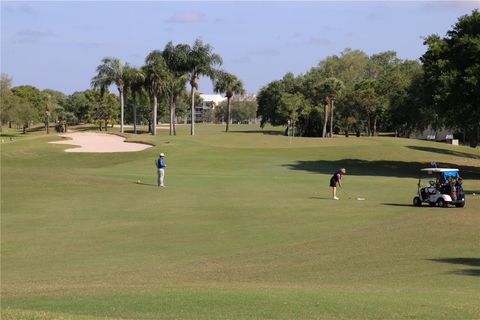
{"points": [[156, 77], [112, 71], [201, 61], [176, 58], [135, 87], [229, 84], [332, 88]]}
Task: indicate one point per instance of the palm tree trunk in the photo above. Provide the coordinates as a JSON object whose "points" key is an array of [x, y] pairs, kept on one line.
{"points": [[174, 115], [135, 118], [325, 119], [331, 118], [192, 111], [171, 115], [369, 125], [154, 120], [121, 109], [228, 114]]}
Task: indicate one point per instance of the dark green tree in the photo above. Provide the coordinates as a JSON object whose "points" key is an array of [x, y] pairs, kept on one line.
{"points": [[452, 76]]}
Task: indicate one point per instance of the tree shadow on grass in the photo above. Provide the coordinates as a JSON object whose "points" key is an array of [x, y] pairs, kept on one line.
{"points": [[472, 192], [471, 262], [268, 132], [446, 152], [377, 168]]}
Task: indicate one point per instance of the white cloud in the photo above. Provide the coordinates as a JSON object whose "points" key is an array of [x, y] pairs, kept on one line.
{"points": [[187, 17]]}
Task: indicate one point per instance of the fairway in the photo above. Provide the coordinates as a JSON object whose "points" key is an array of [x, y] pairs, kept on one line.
{"points": [[245, 229]]}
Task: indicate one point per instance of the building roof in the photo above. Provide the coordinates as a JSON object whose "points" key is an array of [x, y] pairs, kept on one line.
{"points": [[215, 98]]}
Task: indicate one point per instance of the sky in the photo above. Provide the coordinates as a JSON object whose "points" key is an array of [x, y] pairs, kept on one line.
{"points": [[58, 45]]}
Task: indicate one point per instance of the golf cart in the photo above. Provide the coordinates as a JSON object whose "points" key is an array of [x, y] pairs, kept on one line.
{"points": [[445, 187]]}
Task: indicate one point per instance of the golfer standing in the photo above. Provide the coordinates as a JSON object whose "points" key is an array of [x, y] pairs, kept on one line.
{"points": [[160, 162], [337, 179]]}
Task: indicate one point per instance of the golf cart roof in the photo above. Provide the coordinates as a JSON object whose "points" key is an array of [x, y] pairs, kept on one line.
{"points": [[439, 170]]}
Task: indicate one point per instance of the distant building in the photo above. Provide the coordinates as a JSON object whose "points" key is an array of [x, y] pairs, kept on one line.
{"points": [[209, 103]]}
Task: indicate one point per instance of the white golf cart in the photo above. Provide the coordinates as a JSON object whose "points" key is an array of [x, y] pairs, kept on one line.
{"points": [[445, 188]]}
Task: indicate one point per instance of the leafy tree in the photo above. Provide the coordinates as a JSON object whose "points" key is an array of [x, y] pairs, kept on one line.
{"points": [[25, 113], [105, 106], [367, 98], [452, 75], [229, 84], [29, 107], [269, 97], [78, 104], [243, 108], [7, 100], [52, 100], [112, 71]]}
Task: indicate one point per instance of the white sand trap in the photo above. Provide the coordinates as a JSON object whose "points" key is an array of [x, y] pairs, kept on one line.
{"points": [[99, 142]]}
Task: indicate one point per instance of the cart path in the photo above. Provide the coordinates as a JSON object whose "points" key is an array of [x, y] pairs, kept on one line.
{"points": [[99, 143]]}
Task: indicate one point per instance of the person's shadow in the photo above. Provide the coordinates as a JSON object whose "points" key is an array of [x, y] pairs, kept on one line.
{"points": [[146, 184]]}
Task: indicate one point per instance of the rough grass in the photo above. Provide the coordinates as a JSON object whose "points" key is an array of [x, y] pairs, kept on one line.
{"points": [[244, 230]]}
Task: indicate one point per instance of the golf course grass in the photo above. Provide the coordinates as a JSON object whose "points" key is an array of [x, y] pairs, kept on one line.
{"points": [[245, 229]]}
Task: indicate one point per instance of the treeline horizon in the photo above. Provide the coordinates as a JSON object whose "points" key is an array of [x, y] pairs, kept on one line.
{"points": [[350, 92], [356, 92]]}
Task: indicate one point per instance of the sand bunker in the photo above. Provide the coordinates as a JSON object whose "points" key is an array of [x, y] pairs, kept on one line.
{"points": [[99, 142]]}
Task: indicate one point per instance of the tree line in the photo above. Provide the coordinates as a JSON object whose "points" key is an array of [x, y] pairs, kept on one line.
{"points": [[159, 87], [357, 92]]}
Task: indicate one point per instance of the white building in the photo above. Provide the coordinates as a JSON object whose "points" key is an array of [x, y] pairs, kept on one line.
{"points": [[210, 102]]}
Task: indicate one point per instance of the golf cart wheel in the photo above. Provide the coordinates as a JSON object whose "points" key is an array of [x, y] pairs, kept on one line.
{"points": [[417, 202], [460, 205], [441, 203]]}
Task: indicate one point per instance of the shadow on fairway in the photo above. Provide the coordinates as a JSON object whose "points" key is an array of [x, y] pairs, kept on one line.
{"points": [[384, 168], [399, 205], [269, 132], [145, 184], [471, 262], [445, 151], [477, 192], [320, 198], [467, 272]]}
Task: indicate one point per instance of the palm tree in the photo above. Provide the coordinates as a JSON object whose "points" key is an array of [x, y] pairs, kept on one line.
{"points": [[229, 84], [135, 86], [156, 77], [111, 71], [201, 61], [332, 88], [176, 58]]}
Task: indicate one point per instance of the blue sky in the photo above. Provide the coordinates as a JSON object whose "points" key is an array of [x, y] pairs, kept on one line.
{"points": [[59, 44]]}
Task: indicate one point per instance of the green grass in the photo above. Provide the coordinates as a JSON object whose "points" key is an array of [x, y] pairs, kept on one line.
{"points": [[244, 230]]}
